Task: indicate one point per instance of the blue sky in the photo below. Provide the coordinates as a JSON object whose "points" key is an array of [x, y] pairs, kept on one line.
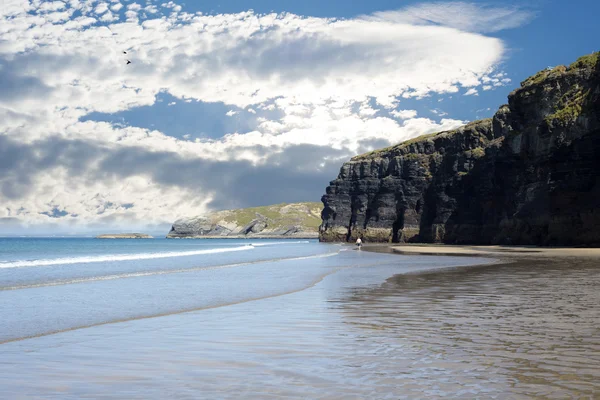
{"points": [[235, 103]]}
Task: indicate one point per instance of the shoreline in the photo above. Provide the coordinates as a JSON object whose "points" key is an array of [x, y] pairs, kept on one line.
{"points": [[501, 253], [303, 237]]}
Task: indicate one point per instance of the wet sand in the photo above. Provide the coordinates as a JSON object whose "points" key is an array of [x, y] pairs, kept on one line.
{"points": [[533, 315], [382, 326], [499, 252]]}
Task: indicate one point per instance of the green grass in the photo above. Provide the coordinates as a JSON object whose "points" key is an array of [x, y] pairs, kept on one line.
{"points": [[418, 139], [587, 61], [411, 156], [543, 75], [380, 152], [478, 152], [572, 104], [295, 217], [567, 114], [536, 79]]}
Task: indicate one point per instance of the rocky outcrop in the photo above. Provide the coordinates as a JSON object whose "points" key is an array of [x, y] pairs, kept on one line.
{"points": [[299, 220], [529, 175], [124, 236]]}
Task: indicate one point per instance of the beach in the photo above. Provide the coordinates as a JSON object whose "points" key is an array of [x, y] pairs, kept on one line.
{"points": [[511, 252], [333, 323]]}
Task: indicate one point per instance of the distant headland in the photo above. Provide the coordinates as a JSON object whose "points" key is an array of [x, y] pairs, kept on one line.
{"points": [[298, 220], [124, 236]]}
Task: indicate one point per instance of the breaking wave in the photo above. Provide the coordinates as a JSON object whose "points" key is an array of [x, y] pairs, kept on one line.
{"points": [[116, 257]]}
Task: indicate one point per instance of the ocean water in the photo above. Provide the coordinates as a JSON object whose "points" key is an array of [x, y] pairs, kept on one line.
{"points": [[188, 319]]}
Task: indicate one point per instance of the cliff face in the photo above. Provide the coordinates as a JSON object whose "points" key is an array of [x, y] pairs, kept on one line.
{"points": [[299, 220], [529, 175]]}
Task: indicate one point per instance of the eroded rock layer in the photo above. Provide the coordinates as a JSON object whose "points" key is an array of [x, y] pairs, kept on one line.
{"points": [[529, 175]]}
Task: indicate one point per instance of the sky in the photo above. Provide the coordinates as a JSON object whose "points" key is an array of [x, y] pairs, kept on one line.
{"points": [[230, 104]]}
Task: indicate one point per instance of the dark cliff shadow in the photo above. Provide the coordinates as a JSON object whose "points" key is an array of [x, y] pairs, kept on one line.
{"points": [[531, 196]]}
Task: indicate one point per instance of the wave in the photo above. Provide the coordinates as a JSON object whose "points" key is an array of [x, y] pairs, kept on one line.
{"points": [[116, 257], [317, 280], [162, 272]]}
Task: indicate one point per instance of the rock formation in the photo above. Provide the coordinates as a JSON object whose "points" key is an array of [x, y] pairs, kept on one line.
{"points": [[299, 220], [529, 175], [124, 236]]}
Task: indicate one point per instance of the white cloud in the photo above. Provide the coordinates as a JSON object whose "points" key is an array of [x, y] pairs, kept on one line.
{"points": [[471, 92], [438, 112], [366, 110], [460, 15], [404, 114], [50, 6], [131, 15], [101, 8], [309, 81], [180, 57]]}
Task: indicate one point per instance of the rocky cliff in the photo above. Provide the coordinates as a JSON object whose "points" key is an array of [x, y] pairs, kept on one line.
{"points": [[299, 220], [529, 175]]}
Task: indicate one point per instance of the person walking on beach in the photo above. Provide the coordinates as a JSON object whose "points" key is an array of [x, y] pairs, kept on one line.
{"points": [[359, 243]]}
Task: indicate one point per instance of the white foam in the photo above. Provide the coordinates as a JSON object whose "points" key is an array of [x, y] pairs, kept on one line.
{"points": [[116, 257], [163, 272]]}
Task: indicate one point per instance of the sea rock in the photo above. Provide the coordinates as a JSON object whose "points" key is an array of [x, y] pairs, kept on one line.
{"points": [[529, 175]]}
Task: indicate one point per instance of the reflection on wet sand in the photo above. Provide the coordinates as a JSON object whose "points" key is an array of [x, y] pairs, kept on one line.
{"points": [[527, 328]]}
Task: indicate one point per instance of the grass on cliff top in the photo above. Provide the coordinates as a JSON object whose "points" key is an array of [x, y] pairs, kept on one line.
{"points": [[381, 152], [423, 138], [570, 109], [587, 61], [283, 215]]}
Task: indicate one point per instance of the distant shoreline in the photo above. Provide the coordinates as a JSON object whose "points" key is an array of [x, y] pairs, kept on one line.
{"points": [[124, 236]]}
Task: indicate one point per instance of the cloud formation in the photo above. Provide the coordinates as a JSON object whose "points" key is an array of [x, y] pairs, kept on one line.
{"points": [[469, 17], [318, 90]]}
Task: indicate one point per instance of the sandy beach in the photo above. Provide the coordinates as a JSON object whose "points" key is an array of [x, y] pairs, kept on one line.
{"points": [[298, 320], [508, 253]]}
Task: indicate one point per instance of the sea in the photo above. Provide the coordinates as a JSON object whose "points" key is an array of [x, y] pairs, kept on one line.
{"points": [[290, 319]]}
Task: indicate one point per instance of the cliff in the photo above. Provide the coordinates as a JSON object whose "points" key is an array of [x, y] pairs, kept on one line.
{"points": [[299, 220], [529, 175], [124, 236]]}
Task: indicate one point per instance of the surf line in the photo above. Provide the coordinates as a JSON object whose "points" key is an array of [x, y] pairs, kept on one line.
{"points": [[153, 273], [166, 314], [116, 257]]}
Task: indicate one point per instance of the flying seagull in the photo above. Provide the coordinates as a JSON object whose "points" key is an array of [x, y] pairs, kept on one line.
{"points": [[128, 62]]}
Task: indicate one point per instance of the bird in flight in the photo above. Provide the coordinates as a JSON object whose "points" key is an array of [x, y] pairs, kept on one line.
{"points": [[128, 62]]}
